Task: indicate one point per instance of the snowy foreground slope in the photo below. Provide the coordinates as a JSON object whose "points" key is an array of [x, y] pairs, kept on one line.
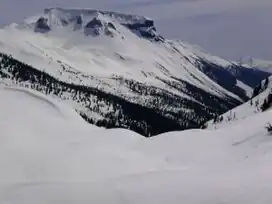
{"points": [[116, 70], [48, 154]]}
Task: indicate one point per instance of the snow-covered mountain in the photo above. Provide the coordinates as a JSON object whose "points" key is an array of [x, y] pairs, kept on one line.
{"points": [[116, 70], [260, 64], [48, 154], [261, 101]]}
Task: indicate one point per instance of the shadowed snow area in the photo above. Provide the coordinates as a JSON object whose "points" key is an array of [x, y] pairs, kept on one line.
{"points": [[48, 154]]}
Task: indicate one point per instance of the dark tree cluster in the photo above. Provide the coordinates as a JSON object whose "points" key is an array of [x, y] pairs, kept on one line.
{"points": [[260, 88], [267, 103], [269, 128], [218, 119]]}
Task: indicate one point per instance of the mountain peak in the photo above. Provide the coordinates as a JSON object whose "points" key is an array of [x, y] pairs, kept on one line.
{"points": [[120, 17], [92, 22]]}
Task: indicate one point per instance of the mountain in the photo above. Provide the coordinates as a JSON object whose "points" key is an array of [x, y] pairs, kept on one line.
{"points": [[260, 102], [260, 64], [116, 70], [50, 155]]}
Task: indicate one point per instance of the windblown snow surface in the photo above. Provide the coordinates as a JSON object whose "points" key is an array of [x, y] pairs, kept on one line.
{"points": [[48, 154]]}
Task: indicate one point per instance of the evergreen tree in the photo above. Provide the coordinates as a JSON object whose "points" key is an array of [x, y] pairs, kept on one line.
{"points": [[257, 90], [266, 83]]}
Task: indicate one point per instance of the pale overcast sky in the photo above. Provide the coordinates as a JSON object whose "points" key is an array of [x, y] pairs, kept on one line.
{"points": [[228, 28]]}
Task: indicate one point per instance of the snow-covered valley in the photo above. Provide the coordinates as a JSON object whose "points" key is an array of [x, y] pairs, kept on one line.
{"points": [[48, 154]]}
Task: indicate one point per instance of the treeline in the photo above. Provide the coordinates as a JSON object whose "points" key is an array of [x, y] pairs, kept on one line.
{"points": [[260, 88], [159, 110], [116, 112], [267, 103]]}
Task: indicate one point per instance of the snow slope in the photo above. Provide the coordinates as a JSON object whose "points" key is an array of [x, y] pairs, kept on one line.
{"points": [[49, 155], [115, 69], [246, 110], [124, 54]]}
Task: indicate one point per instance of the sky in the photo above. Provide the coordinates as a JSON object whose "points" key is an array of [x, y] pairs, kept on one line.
{"points": [[229, 28]]}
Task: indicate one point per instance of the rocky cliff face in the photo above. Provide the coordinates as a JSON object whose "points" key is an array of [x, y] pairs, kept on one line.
{"points": [[42, 26]]}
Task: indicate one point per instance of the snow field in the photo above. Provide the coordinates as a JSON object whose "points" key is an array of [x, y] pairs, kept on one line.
{"points": [[48, 154]]}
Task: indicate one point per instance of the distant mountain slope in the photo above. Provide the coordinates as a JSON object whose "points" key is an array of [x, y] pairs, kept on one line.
{"points": [[116, 70], [260, 102], [260, 64]]}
